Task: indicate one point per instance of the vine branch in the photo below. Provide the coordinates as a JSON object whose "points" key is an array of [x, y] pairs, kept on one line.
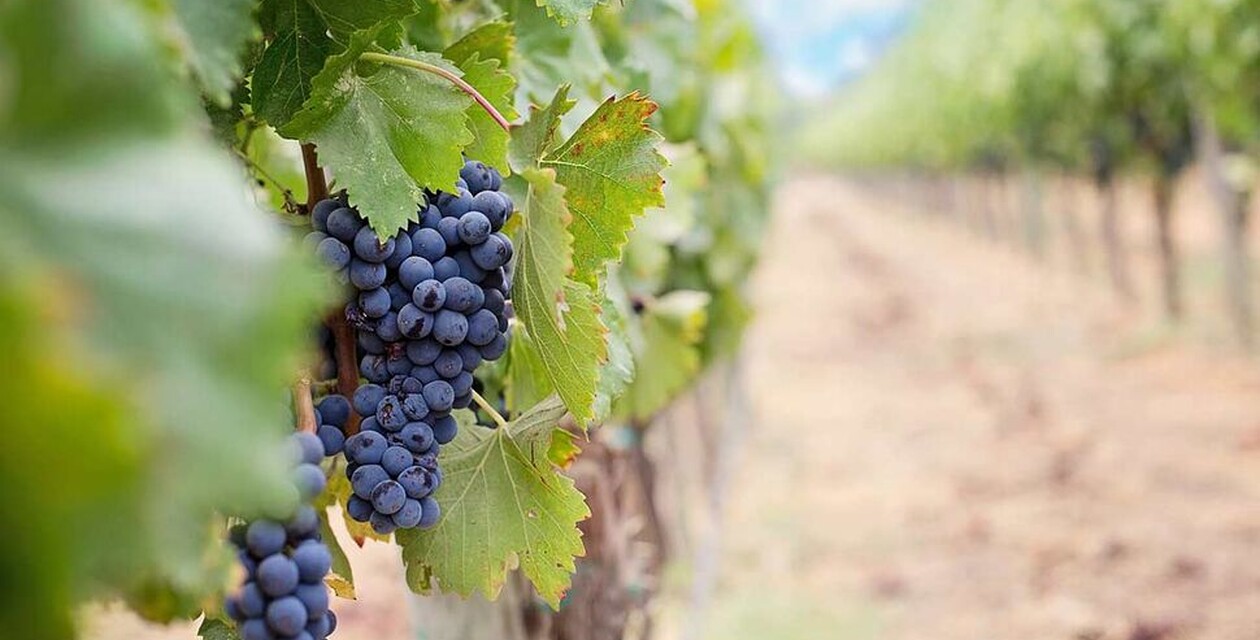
{"points": [[399, 61], [316, 181], [304, 404], [485, 405]]}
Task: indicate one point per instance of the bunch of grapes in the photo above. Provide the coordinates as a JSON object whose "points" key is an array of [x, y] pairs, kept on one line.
{"points": [[432, 304], [283, 595]]}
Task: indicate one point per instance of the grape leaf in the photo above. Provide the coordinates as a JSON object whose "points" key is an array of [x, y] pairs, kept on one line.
{"points": [[490, 141], [484, 55], [217, 629], [561, 315], [611, 171], [533, 139], [341, 577], [213, 36], [668, 355], [304, 34], [281, 82], [504, 505], [616, 374], [567, 12], [493, 40], [526, 382], [387, 134]]}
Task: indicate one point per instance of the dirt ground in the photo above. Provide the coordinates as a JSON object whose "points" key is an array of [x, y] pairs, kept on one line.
{"points": [[953, 441], [950, 440]]}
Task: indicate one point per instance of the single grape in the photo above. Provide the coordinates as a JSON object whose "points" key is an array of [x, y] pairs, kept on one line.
{"points": [[493, 206], [444, 429], [370, 424], [449, 364], [429, 217], [425, 374], [477, 175], [483, 327], [366, 447], [277, 575], [414, 406], [470, 355], [388, 497], [411, 386], [423, 352], [367, 275], [365, 479], [303, 524], [429, 295], [251, 601], [314, 597], [344, 224], [428, 243], [335, 410], [359, 509], [398, 295], [390, 414], [395, 460], [333, 439], [461, 295], [417, 437], [373, 368], [374, 302], [416, 269], [256, 629], [286, 616], [368, 247], [409, 515], [382, 524], [445, 269], [367, 398], [495, 349], [334, 253], [454, 205], [310, 479], [414, 323], [417, 482], [313, 561], [387, 328], [371, 343], [474, 228], [306, 447], [397, 363], [491, 254], [265, 538], [439, 395], [431, 512], [462, 383], [450, 327]]}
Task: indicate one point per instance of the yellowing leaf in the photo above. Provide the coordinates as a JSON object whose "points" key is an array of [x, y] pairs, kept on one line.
{"points": [[611, 171]]}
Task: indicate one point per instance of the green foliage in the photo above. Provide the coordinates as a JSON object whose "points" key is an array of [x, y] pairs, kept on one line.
{"points": [[504, 505], [152, 314]]}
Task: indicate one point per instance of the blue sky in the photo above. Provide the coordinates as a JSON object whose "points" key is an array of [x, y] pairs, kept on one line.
{"points": [[820, 44]]}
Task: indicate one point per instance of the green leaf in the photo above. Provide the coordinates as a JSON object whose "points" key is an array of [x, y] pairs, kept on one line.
{"points": [[388, 134], [668, 351], [213, 36], [533, 139], [492, 41], [611, 171], [490, 141], [616, 374], [504, 506], [217, 629], [304, 34], [567, 12], [341, 577], [281, 82], [561, 315], [526, 382]]}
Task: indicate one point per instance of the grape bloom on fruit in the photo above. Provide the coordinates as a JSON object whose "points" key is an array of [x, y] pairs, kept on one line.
{"points": [[429, 306]]}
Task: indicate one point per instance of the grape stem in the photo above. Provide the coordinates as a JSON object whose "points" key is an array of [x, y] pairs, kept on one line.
{"points": [[399, 61], [316, 181], [289, 203], [494, 415], [304, 404]]}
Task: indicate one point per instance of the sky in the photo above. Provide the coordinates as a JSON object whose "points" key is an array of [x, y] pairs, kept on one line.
{"points": [[819, 45]]}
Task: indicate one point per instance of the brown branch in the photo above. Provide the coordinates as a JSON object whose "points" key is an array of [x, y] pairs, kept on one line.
{"points": [[316, 181], [347, 355], [304, 405]]}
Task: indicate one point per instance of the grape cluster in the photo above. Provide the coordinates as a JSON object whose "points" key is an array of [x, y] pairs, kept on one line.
{"points": [[431, 304], [283, 595]]}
